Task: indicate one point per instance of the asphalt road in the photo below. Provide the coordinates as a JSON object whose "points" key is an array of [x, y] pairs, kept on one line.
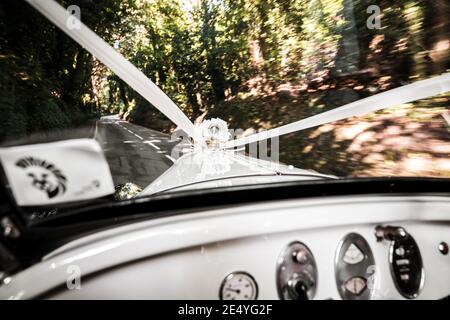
{"points": [[134, 153]]}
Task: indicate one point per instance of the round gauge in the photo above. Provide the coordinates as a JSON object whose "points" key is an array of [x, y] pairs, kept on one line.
{"points": [[239, 286]]}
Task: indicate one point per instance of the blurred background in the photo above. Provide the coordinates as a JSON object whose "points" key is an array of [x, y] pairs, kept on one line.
{"points": [[257, 64]]}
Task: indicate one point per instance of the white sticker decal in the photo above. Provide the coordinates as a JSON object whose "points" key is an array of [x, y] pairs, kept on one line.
{"points": [[57, 172]]}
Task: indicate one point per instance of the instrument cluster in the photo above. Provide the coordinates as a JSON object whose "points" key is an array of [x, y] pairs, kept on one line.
{"points": [[355, 268]]}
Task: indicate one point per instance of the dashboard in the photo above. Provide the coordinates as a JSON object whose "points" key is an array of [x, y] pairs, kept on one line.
{"points": [[346, 247]]}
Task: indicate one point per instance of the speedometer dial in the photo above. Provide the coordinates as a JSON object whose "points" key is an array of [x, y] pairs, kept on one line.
{"points": [[239, 286]]}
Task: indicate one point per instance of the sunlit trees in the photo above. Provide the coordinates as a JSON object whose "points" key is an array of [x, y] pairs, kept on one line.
{"points": [[207, 53]]}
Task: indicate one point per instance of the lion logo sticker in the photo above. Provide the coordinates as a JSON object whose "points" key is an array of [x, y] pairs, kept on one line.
{"points": [[44, 176]]}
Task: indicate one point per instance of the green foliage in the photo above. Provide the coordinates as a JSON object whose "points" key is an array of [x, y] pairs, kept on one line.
{"points": [[206, 52], [46, 78], [210, 54]]}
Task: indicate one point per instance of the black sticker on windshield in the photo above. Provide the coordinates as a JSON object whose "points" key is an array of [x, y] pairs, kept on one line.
{"points": [[44, 176]]}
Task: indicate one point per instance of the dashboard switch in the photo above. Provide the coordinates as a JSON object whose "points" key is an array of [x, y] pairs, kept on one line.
{"points": [[298, 289], [407, 270], [443, 248], [402, 262], [400, 251], [405, 260], [296, 273], [390, 233], [301, 256]]}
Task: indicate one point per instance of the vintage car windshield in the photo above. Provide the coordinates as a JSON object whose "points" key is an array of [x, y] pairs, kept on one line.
{"points": [[254, 69]]}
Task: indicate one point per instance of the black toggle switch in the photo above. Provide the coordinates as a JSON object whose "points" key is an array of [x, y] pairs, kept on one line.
{"points": [[298, 289], [301, 289]]}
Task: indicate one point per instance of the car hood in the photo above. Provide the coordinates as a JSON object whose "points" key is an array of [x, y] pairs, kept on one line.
{"points": [[221, 168]]}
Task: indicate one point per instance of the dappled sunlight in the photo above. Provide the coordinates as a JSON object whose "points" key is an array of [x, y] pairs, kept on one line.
{"points": [[256, 64], [395, 141]]}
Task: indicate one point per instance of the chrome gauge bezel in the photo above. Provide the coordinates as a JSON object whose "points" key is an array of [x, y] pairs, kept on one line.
{"points": [[350, 271], [391, 269], [235, 274], [287, 270]]}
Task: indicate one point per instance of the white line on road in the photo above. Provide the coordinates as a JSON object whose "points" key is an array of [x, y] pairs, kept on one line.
{"points": [[170, 158], [147, 142], [136, 135], [151, 144]]}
